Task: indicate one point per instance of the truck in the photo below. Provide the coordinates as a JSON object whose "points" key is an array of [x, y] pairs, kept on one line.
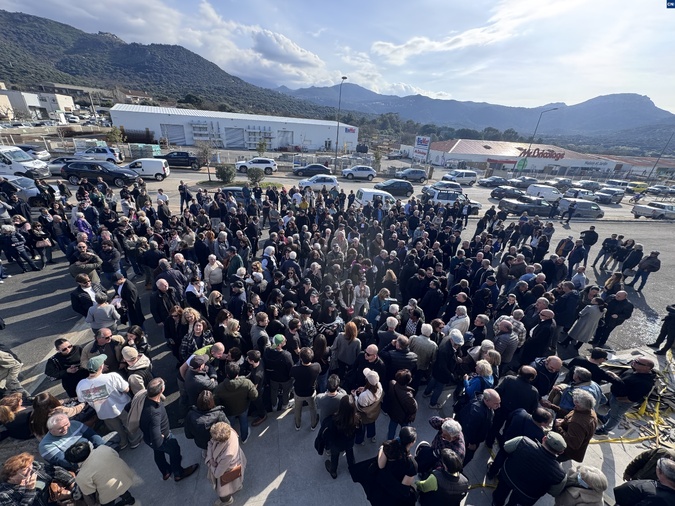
{"points": [[181, 159], [655, 210]]}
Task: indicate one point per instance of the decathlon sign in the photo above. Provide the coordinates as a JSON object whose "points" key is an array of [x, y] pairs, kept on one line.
{"points": [[541, 153]]}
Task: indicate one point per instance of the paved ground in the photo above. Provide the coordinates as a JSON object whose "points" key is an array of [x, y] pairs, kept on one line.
{"points": [[282, 461]]}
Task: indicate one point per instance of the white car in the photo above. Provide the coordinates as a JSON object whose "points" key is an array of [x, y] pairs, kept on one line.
{"points": [[316, 183], [359, 172], [37, 152], [581, 193], [266, 164], [443, 185], [101, 153]]}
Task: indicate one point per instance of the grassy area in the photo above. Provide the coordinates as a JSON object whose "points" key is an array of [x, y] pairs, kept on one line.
{"points": [[217, 184]]}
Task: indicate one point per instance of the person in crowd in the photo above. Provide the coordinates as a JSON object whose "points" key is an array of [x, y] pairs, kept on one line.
{"points": [[62, 434], [15, 417], [396, 471], [340, 434], [578, 426], [476, 419], [447, 485], [65, 365], [648, 492], [235, 394], [368, 404], [449, 435], [667, 332], [201, 417], [643, 466], [225, 463], [585, 486]]}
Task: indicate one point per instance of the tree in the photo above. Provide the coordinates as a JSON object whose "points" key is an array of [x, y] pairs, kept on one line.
{"points": [[510, 135], [255, 174], [491, 134], [204, 155], [225, 172], [377, 159], [115, 136], [261, 147]]}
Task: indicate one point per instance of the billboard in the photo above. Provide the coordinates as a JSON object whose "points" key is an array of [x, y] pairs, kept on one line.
{"points": [[421, 149]]}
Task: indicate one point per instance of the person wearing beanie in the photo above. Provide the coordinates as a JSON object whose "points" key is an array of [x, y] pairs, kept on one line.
{"points": [[278, 364], [368, 404], [138, 370], [426, 350]]}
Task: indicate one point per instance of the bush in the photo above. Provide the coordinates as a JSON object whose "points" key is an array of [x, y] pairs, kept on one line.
{"points": [[225, 173], [255, 174]]}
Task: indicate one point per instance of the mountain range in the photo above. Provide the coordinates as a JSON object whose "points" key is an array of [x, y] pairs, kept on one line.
{"points": [[35, 50]]}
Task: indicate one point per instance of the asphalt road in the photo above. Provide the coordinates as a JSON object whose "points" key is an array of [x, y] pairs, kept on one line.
{"points": [[36, 305]]}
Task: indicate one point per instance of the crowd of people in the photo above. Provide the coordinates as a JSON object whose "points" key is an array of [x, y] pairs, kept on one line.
{"points": [[287, 300]]}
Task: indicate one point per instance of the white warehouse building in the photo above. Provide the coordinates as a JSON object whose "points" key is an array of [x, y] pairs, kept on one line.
{"points": [[186, 127]]}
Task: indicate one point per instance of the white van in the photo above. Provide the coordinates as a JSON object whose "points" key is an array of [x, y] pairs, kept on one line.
{"points": [[16, 162], [364, 195], [617, 183], [548, 193], [467, 177], [151, 167]]}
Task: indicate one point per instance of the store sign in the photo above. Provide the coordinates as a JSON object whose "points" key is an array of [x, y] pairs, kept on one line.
{"points": [[541, 153], [421, 149]]}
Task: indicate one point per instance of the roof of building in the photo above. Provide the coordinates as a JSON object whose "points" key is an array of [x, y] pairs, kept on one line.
{"points": [[219, 115], [642, 161], [502, 148]]}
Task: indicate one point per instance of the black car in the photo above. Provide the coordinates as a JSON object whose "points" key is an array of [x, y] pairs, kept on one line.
{"points": [[181, 159], [523, 181], [92, 169], [396, 187], [506, 192], [493, 181], [312, 169], [533, 206]]}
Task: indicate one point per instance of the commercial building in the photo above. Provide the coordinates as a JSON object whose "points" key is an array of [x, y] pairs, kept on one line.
{"points": [[36, 106], [186, 127], [519, 156]]}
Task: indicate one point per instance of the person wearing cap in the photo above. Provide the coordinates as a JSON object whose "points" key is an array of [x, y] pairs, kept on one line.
{"points": [[645, 268], [154, 423], [108, 393], [288, 312], [237, 299], [138, 369], [368, 399], [444, 367], [198, 377], [278, 363], [524, 455]]}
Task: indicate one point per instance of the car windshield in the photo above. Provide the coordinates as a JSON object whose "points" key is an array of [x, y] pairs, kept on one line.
{"points": [[108, 166], [18, 155]]}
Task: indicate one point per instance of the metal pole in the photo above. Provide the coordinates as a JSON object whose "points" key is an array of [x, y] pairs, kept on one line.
{"points": [[337, 133], [659, 158], [537, 127]]}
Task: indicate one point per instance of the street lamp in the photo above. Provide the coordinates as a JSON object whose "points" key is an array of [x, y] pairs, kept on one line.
{"points": [[537, 127], [337, 133]]}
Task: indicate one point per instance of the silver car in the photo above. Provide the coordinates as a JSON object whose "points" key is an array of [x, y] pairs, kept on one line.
{"points": [[101, 153], [359, 172]]}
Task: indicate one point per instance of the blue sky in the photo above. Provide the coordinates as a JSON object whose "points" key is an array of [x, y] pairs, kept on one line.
{"points": [[511, 52]]}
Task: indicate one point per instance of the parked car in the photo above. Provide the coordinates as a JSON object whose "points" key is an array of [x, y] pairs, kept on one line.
{"points": [[359, 172], [101, 153], [318, 182], [236, 191], [587, 184], [610, 195], [544, 191], [636, 187], [91, 169], [561, 183], [581, 193], [151, 167], [311, 169], [659, 189], [506, 192], [266, 164], [411, 174], [25, 189], [523, 181], [16, 162], [396, 187], [36, 152], [655, 210], [461, 176], [365, 195], [584, 209], [493, 181], [57, 163], [181, 159], [444, 197], [443, 185], [533, 206], [395, 155]]}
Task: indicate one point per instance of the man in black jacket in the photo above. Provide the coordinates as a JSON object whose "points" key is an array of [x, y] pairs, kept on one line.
{"points": [[162, 301], [254, 370], [543, 338], [667, 332], [127, 293], [515, 392], [157, 435], [278, 363], [397, 356], [65, 366], [82, 298], [619, 309], [650, 492], [476, 419], [609, 246], [590, 237]]}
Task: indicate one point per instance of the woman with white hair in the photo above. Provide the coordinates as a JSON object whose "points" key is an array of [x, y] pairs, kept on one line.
{"points": [[82, 225], [213, 274], [585, 487], [578, 426]]}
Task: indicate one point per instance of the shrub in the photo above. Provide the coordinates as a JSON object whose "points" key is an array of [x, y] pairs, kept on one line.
{"points": [[225, 173], [255, 174]]}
